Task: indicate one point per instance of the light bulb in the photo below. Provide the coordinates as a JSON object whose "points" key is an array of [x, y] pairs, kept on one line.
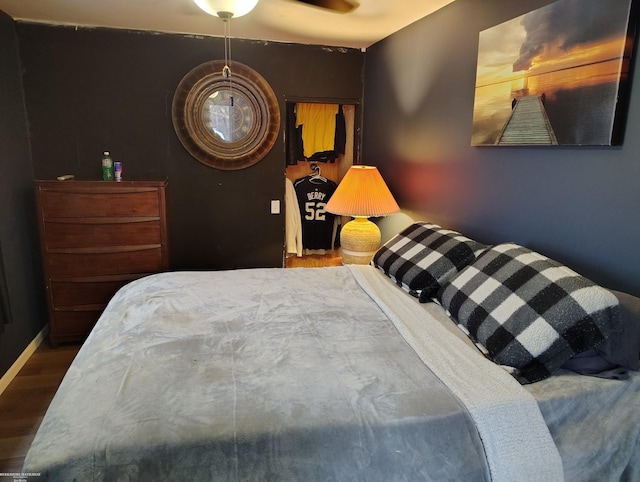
{"points": [[226, 8]]}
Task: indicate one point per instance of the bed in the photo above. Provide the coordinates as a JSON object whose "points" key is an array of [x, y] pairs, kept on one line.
{"points": [[340, 373]]}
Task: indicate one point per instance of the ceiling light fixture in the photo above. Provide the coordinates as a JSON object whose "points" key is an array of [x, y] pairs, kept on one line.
{"points": [[225, 9]]}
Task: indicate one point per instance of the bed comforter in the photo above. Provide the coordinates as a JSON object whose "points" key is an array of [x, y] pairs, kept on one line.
{"points": [[299, 374]]}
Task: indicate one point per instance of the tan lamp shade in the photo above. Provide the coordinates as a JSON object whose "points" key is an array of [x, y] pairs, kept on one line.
{"points": [[362, 193]]}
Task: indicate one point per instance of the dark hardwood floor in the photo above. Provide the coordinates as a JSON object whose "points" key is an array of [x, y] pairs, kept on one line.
{"points": [[333, 258], [24, 402]]}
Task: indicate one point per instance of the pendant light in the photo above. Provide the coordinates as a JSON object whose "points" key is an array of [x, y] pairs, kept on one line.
{"points": [[225, 9]]}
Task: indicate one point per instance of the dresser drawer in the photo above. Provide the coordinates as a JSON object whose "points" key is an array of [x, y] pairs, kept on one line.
{"points": [[60, 204], [88, 291], [67, 233], [146, 259], [73, 325]]}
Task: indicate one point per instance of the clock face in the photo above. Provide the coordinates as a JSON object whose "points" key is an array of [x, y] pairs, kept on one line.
{"points": [[226, 122], [228, 115]]}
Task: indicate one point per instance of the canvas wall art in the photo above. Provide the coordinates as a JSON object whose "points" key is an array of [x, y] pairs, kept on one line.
{"points": [[558, 75]]}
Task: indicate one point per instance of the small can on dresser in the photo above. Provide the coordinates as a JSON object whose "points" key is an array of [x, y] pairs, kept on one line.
{"points": [[117, 169]]}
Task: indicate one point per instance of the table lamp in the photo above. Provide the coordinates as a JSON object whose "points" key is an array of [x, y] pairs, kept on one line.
{"points": [[361, 193]]}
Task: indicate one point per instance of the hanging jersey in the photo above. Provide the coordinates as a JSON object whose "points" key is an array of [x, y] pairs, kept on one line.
{"points": [[313, 193]]}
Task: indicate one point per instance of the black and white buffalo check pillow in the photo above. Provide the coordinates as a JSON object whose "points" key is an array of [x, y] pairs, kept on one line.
{"points": [[423, 256], [530, 313]]}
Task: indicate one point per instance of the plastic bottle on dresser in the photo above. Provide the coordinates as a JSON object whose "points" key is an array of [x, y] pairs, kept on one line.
{"points": [[107, 167]]}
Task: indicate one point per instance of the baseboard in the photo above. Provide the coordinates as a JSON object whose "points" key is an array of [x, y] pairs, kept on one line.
{"points": [[11, 373]]}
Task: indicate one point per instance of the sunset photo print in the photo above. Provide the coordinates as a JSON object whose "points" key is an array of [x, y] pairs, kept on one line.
{"points": [[558, 75]]}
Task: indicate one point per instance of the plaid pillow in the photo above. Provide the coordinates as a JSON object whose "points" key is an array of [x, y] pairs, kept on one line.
{"points": [[423, 256], [529, 312]]}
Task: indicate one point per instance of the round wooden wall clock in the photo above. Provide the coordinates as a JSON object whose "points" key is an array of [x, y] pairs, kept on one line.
{"points": [[227, 122]]}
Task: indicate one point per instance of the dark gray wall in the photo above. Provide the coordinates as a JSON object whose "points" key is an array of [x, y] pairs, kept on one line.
{"points": [[90, 90], [18, 231], [578, 205], [84, 91]]}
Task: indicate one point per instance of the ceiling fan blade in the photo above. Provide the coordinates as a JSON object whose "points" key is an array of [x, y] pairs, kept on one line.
{"points": [[340, 6]]}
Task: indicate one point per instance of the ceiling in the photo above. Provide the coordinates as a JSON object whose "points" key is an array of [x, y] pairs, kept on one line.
{"points": [[273, 20]]}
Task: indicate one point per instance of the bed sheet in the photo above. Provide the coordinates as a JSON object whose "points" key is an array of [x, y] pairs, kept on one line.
{"points": [[594, 422]]}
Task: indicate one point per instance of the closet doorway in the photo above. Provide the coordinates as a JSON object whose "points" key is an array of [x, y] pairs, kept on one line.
{"points": [[322, 143]]}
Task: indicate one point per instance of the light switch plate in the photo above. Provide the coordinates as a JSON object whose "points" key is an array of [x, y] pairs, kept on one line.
{"points": [[275, 206]]}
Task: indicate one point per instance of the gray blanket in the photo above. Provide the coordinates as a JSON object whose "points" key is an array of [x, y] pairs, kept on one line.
{"points": [[316, 374], [252, 375], [595, 423]]}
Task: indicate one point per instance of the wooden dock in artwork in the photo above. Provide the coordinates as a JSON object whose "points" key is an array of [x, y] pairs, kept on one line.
{"points": [[528, 124]]}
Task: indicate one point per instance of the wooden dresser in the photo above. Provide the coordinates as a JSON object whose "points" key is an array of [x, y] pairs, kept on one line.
{"points": [[95, 237]]}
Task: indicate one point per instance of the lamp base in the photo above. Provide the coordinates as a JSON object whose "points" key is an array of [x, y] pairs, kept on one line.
{"points": [[359, 239]]}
